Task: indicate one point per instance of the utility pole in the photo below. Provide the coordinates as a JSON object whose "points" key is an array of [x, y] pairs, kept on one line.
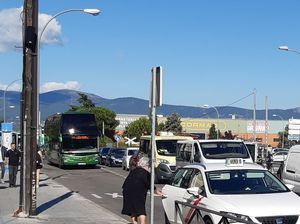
{"points": [[29, 108]]}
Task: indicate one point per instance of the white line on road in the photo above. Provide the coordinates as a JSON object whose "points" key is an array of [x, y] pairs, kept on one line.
{"points": [[114, 195], [96, 196]]}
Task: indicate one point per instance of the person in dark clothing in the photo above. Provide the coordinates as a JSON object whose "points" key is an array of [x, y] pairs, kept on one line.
{"points": [[39, 165], [135, 189], [12, 158], [3, 150]]}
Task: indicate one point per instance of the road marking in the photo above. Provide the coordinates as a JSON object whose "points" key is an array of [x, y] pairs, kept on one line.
{"points": [[114, 195], [113, 172], [96, 196]]}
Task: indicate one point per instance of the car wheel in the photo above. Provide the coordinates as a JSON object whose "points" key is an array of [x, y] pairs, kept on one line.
{"points": [[166, 219], [207, 220]]}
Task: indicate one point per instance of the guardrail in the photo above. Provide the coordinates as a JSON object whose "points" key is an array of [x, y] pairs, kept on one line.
{"points": [[197, 212]]}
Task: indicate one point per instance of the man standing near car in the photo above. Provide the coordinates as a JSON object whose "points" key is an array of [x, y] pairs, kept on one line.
{"points": [[12, 158], [3, 151]]}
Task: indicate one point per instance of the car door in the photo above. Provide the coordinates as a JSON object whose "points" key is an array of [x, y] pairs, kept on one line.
{"points": [[176, 191], [190, 214]]}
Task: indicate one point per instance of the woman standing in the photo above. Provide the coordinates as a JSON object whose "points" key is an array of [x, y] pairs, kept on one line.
{"points": [[135, 189]]}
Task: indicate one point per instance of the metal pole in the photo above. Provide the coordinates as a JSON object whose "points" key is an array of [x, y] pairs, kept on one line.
{"points": [[4, 99], [254, 115], [153, 146], [266, 123], [218, 121]]}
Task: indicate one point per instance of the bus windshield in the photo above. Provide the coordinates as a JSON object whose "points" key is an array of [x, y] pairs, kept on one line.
{"points": [[166, 147], [79, 124], [78, 144]]}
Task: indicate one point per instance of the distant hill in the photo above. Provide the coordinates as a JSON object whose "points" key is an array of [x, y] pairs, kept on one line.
{"points": [[60, 100]]}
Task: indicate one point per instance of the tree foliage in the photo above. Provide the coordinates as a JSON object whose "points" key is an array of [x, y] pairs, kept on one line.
{"points": [[173, 123], [140, 127], [102, 115]]}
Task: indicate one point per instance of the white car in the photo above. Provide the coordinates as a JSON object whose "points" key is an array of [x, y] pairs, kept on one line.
{"points": [[243, 190], [126, 158], [280, 156]]}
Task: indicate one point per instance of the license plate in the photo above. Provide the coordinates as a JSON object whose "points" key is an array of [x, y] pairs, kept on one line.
{"points": [[81, 163]]}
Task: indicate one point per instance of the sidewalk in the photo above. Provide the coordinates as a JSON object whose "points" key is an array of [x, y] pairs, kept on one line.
{"points": [[56, 204]]}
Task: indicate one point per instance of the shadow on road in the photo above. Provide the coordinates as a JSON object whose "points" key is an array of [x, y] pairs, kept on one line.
{"points": [[53, 202]]}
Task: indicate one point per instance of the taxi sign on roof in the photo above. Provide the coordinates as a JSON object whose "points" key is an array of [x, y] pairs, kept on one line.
{"points": [[234, 162]]}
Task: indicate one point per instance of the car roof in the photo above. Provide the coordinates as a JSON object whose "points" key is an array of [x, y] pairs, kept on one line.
{"points": [[222, 166], [211, 140], [170, 137]]}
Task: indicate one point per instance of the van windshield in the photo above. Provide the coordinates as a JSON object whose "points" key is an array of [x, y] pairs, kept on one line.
{"points": [[166, 147], [223, 150]]}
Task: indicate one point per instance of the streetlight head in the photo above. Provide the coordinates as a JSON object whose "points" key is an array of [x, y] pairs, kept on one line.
{"points": [[284, 48], [93, 12]]}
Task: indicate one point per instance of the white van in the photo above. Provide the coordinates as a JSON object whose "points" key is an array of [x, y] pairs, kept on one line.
{"points": [[211, 151], [291, 168]]}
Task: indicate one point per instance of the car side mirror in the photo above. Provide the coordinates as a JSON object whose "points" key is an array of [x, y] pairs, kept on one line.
{"points": [[290, 186], [195, 191]]}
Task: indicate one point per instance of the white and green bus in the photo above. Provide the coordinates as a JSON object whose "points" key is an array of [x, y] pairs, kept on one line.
{"points": [[71, 138]]}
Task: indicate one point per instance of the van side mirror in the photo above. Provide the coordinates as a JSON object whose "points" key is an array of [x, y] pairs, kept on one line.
{"points": [[195, 191]]}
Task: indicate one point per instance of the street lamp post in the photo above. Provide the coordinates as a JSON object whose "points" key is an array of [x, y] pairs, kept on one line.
{"points": [[286, 48], [207, 106], [276, 115], [93, 12], [4, 99]]}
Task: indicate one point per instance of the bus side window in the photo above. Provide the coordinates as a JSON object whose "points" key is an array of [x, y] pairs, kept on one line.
{"points": [[197, 156]]}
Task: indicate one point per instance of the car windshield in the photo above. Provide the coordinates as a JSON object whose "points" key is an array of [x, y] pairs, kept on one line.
{"points": [[243, 182], [166, 147], [223, 150], [131, 152]]}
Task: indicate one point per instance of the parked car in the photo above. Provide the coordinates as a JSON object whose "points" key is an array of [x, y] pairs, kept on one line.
{"points": [[277, 150], [238, 189], [126, 158], [114, 157], [279, 156], [291, 168], [102, 155]]}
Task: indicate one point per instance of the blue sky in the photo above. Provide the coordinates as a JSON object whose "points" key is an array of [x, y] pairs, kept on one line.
{"points": [[212, 52]]}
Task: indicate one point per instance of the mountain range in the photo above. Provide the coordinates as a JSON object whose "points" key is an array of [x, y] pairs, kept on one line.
{"points": [[60, 101]]}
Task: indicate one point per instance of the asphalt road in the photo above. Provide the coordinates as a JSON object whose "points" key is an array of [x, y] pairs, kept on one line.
{"points": [[102, 185]]}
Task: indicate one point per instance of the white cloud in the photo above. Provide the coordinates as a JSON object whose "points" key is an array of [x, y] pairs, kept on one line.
{"points": [[11, 29], [50, 86], [14, 87]]}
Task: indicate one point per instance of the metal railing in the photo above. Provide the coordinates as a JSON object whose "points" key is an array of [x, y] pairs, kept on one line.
{"points": [[197, 212]]}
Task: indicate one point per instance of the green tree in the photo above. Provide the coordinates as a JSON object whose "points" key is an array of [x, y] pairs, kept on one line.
{"points": [[173, 123], [84, 102], [140, 127], [103, 115], [212, 132], [160, 126], [283, 136]]}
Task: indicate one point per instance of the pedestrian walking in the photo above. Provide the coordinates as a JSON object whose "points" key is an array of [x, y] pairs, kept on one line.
{"points": [[39, 165], [12, 158], [3, 150], [135, 189]]}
